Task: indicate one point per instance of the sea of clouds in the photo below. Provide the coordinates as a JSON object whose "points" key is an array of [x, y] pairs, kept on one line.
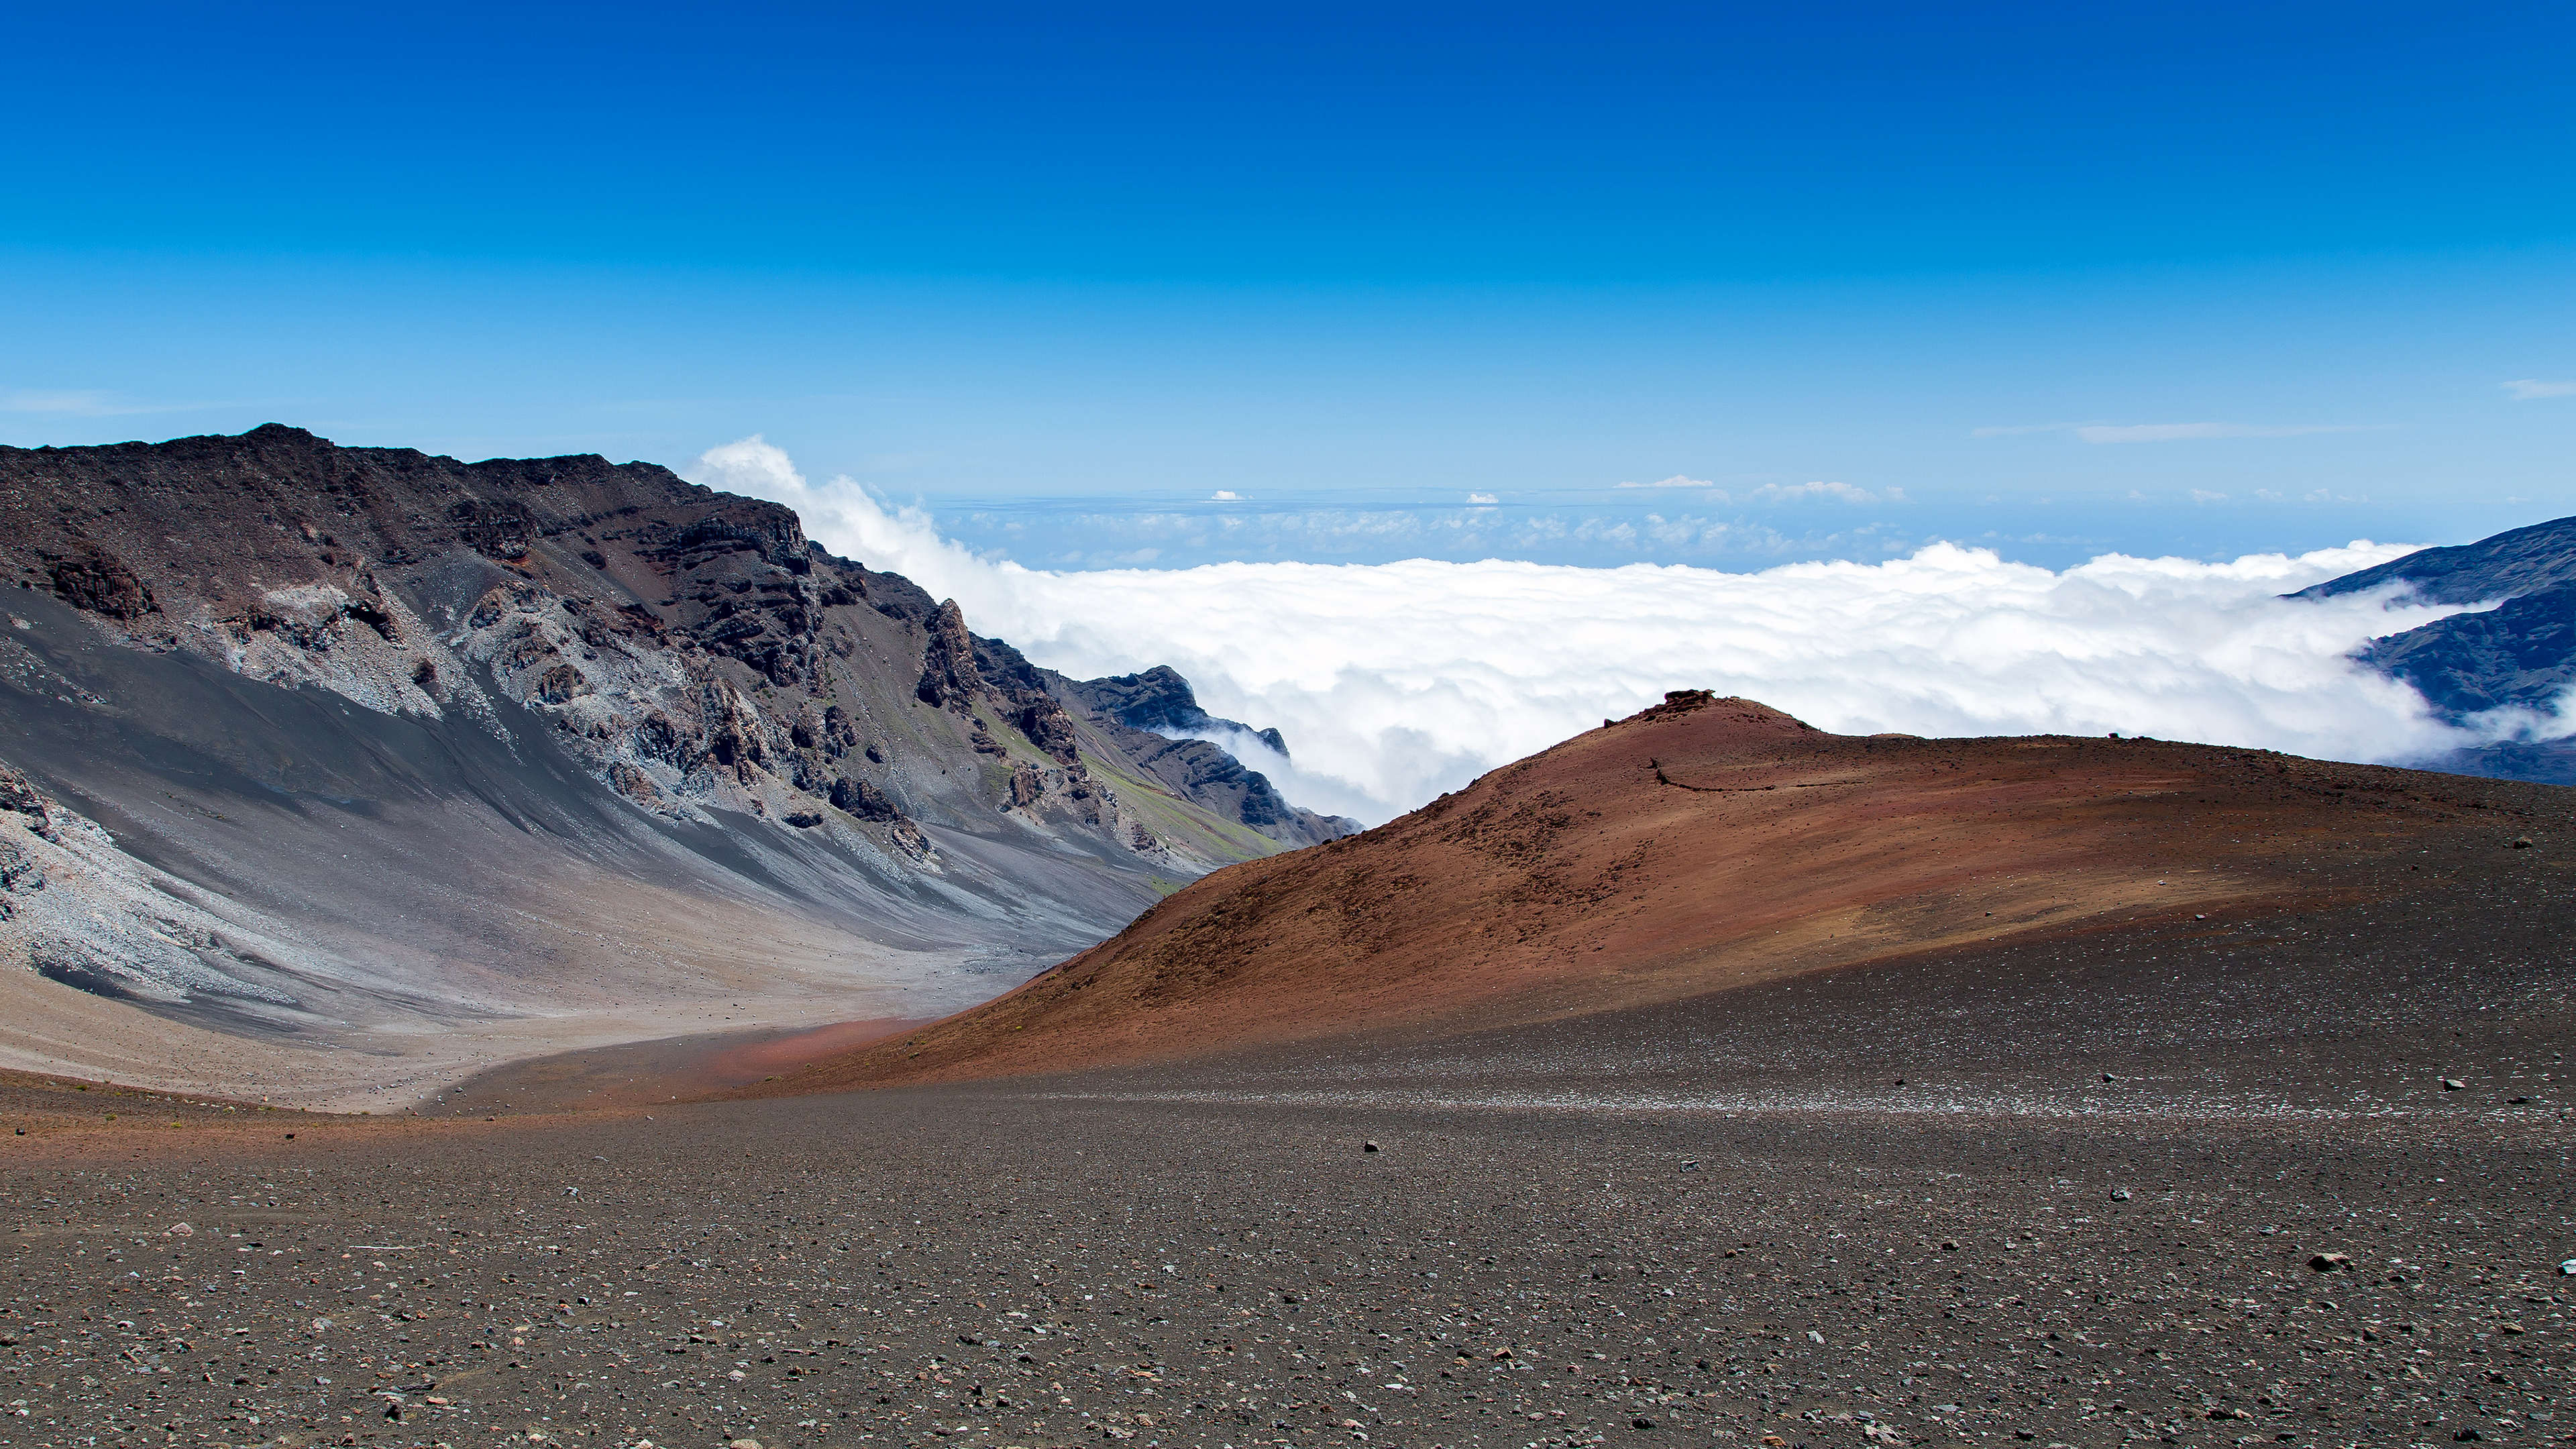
{"points": [[1393, 682]]}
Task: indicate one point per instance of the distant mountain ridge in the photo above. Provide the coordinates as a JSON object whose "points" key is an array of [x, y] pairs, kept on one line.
{"points": [[616, 681], [2522, 653], [1160, 699]]}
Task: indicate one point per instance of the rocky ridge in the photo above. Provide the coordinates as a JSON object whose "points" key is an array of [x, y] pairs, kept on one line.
{"points": [[345, 688], [695, 648]]}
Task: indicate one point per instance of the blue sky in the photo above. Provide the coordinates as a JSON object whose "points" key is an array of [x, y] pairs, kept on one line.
{"points": [[2057, 280]]}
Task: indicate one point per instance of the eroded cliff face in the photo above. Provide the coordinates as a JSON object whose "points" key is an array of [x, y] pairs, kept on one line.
{"points": [[615, 679], [694, 648]]}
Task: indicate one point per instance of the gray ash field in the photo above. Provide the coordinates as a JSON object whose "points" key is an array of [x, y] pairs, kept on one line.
{"points": [[1178, 1257]]}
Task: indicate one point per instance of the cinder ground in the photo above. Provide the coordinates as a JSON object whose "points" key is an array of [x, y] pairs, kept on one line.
{"points": [[2018, 1250], [2284, 1161]]}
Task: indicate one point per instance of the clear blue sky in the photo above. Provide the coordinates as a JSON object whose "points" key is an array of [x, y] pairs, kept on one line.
{"points": [[1067, 273]]}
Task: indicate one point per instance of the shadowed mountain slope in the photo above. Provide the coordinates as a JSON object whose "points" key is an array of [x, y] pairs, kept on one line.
{"points": [[2520, 655], [1704, 846]]}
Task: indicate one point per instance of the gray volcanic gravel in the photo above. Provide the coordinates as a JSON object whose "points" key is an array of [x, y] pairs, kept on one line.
{"points": [[1013, 1266], [2201, 1182]]}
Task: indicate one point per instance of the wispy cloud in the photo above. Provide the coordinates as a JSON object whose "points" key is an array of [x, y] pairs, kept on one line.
{"points": [[1482, 498], [1776, 492], [2203, 495], [2524, 389], [2177, 432], [1804, 492]]}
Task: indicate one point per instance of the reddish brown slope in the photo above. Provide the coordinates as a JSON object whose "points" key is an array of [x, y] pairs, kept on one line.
{"points": [[1703, 844]]}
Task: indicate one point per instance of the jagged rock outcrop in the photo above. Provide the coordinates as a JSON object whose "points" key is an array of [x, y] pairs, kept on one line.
{"points": [[20, 872], [862, 799], [948, 677], [101, 583], [19, 796]]}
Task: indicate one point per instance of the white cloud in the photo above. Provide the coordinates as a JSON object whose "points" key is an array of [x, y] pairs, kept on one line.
{"points": [[1676, 481], [1482, 498], [1395, 681], [1225, 495], [2202, 495], [2524, 389], [1804, 492]]}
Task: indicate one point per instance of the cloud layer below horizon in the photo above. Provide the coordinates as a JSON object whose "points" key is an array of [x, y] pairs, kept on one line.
{"points": [[1396, 681]]}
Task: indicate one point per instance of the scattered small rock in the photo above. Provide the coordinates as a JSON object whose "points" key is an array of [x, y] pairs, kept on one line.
{"points": [[1641, 1422], [1690, 1164], [2522, 842], [2567, 1269], [2119, 1194], [2453, 1084], [179, 1230], [1368, 1147], [2331, 1262]]}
